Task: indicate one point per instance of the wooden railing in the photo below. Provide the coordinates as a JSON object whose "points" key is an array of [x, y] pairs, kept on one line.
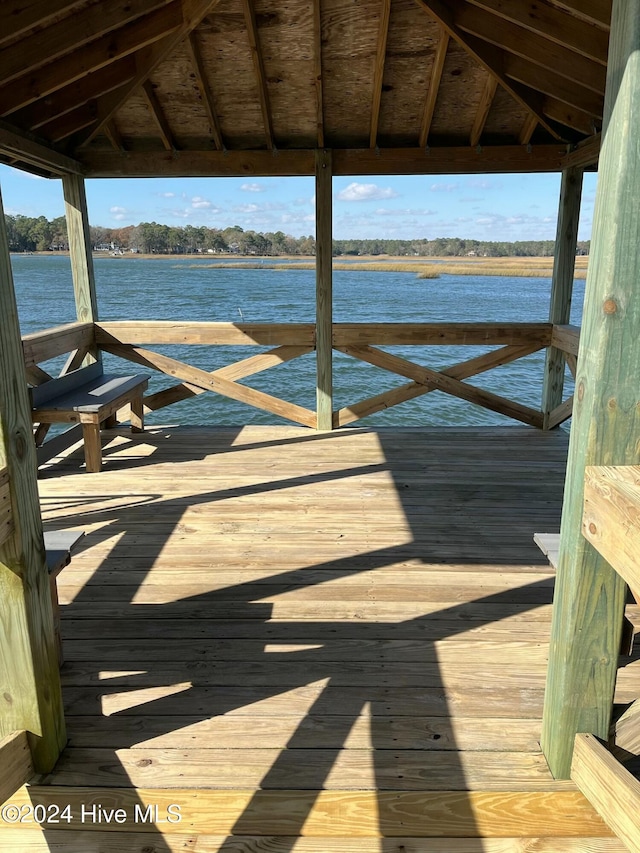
{"points": [[16, 764], [611, 523], [134, 341]]}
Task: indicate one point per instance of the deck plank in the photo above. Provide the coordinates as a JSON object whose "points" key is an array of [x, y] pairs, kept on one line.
{"points": [[358, 613]]}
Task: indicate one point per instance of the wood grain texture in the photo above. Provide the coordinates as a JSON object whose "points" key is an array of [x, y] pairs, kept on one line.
{"points": [[29, 678], [609, 786], [340, 814], [41, 346], [586, 631], [15, 760], [324, 290], [562, 288]]}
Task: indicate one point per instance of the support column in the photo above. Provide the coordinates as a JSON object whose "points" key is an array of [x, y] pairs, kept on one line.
{"points": [[562, 284], [324, 291], [30, 695], [589, 597], [84, 285]]}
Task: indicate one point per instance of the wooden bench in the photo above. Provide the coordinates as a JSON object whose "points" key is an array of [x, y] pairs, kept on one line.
{"points": [[59, 545], [90, 397]]}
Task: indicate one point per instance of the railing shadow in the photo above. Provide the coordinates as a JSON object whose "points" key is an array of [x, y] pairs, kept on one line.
{"points": [[224, 650]]}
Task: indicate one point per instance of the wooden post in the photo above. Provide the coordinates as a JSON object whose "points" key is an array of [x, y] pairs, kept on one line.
{"points": [[324, 291], [30, 695], [84, 285], [562, 284], [589, 597]]}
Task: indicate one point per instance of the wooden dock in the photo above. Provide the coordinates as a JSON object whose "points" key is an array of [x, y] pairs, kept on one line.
{"points": [[327, 643]]}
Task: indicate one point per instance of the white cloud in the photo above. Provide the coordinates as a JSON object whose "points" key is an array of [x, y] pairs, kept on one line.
{"points": [[253, 188], [365, 192], [199, 202], [443, 188], [246, 208], [118, 212], [168, 195]]}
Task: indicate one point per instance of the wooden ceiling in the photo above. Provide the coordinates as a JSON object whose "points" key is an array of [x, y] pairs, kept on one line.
{"points": [[198, 87]]}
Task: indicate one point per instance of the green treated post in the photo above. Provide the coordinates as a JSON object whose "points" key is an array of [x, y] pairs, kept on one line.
{"points": [[324, 291], [80, 250], [589, 598], [562, 284], [30, 695]]}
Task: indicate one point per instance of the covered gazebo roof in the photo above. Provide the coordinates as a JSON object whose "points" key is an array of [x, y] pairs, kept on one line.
{"points": [[199, 87]]}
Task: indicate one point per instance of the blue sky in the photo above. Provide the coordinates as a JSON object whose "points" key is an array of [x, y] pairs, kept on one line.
{"points": [[483, 207]]}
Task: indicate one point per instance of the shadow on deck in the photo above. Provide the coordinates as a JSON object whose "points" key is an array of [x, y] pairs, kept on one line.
{"points": [[312, 642]]}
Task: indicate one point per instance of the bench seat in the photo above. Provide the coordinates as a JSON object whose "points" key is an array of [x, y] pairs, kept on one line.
{"points": [[91, 398]]}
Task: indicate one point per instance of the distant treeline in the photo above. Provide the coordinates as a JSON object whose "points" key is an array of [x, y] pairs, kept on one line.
{"points": [[28, 234]]}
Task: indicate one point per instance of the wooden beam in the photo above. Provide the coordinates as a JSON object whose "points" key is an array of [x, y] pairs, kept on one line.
{"points": [[589, 597], [113, 135], [584, 154], [610, 788], [596, 11], [190, 14], [41, 346], [486, 99], [324, 290], [158, 116], [549, 83], [434, 87], [317, 71], [15, 760], [23, 146], [570, 116], [528, 129], [78, 93], [201, 379], [84, 284], [446, 334], [261, 79], [95, 55], [554, 24], [378, 71], [385, 161], [611, 520], [536, 48], [70, 33], [566, 339], [204, 333], [19, 17], [29, 675], [486, 57], [564, 264], [195, 56], [70, 123]]}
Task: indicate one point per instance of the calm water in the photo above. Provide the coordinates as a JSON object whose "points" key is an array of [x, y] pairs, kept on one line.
{"points": [[135, 289]]}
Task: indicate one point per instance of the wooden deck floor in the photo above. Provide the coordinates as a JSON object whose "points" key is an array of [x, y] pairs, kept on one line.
{"points": [[333, 636]]}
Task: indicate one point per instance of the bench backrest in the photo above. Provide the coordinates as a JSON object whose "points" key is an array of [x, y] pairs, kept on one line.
{"points": [[6, 518], [42, 394]]}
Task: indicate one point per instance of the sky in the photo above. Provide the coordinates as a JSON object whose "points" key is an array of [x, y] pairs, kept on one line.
{"points": [[481, 207]]}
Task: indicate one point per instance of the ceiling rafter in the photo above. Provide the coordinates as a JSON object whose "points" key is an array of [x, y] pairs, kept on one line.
{"points": [[99, 53], [586, 153], [61, 38], [596, 11], [531, 46], [19, 17], [434, 88], [571, 117], [71, 122], [378, 71], [27, 148], [147, 60], [550, 84], [206, 94], [158, 116], [317, 70], [256, 55], [78, 93], [480, 51], [486, 99], [554, 24], [114, 136], [528, 129]]}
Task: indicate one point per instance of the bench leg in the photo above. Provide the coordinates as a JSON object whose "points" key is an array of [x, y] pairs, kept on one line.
{"points": [[137, 414], [111, 422], [92, 447]]}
